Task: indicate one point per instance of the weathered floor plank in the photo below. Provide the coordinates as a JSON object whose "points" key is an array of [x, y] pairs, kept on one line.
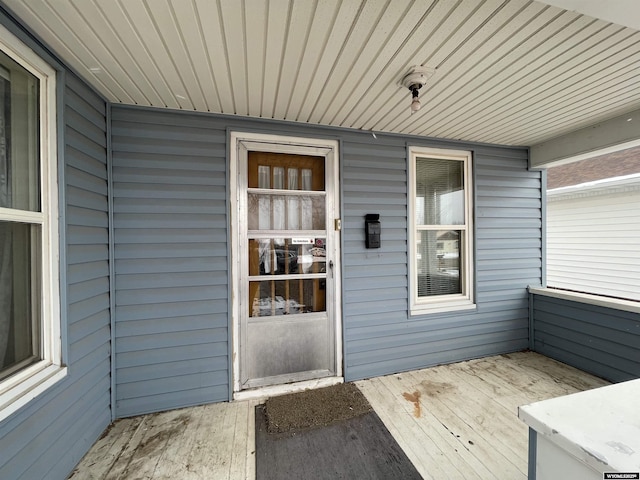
{"points": [[455, 421]]}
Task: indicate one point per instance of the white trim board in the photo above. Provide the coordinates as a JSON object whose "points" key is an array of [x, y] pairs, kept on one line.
{"points": [[618, 304]]}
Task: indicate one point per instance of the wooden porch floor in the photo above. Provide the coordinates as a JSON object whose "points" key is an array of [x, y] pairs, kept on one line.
{"points": [[455, 421]]}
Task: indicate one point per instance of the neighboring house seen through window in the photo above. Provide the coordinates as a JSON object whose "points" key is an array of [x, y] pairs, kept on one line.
{"points": [[440, 230], [30, 351]]}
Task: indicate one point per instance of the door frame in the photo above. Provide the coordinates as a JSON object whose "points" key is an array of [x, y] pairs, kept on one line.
{"points": [[298, 146]]}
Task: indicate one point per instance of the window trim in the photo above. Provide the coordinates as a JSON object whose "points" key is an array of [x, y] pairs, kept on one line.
{"points": [[441, 303], [21, 387]]}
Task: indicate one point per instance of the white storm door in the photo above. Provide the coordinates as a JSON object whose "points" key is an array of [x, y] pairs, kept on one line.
{"points": [[287, 265]]}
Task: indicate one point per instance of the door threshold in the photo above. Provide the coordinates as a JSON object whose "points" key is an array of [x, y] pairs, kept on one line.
{"points": [[275, 390]]}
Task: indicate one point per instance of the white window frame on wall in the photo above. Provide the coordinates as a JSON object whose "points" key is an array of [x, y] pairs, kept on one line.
{"points": [[26, 384], [451, 302]]}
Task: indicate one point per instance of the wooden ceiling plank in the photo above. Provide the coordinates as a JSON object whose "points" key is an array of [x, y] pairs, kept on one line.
{"points": [[583, 119], [559, 102], [192, 31], [481, 13], [165, 18], [563, 71], [235, 42], [509, 71], [603, 83], [298, 30], [93, 50], [57, 32], [381, 74], [214, 45], [413, 52], [479, 38], [125, 33], [353, 46], [583, 113], [339, 30], [482, 63], [132, 75], [319, 31], [384, 41], [561, 82], [255, 14], [277, 17], [189, 53], [531, 60], [148, 31]]}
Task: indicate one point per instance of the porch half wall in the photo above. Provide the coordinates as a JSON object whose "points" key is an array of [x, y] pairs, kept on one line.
{"points": [[170, 173], [598, 339]]}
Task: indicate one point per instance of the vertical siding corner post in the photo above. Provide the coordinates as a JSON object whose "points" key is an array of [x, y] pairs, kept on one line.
{"points": [[543, 218], [61, 83], [112, 272], [230, 348], [532, 342]]}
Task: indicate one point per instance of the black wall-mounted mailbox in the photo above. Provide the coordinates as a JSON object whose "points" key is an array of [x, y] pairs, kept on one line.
{"points": [[372, 230]]}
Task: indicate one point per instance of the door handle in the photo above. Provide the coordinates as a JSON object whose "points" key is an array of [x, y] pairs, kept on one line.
{"points": [[331, 267]]}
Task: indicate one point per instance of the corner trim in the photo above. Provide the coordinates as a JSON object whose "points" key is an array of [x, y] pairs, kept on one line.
{"points": [[61, 86], [112, 268]]}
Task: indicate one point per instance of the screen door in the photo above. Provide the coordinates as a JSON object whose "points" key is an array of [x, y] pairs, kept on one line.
{"points": [[287, 328]]}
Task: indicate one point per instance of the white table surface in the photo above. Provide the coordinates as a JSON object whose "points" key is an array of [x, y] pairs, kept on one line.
{"points": [[601, 427]]}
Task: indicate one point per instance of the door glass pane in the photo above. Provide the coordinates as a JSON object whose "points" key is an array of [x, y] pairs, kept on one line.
{"points": [[292, 177], [20, 287], [284, 171], [439, 192], [278, 177], [19, 156], [286, 256], [286, 297], [264, 176], [307, 179], [283, 212], [439, 262]]}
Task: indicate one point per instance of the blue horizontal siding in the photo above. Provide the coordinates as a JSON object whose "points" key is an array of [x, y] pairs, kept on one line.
{"points": [[171, 265], [380, 335], [600, 340], [171, 245], [47, 437]]}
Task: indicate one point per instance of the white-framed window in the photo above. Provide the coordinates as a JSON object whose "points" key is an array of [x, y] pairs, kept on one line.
{"points": [[30, 343], [440, 230]]}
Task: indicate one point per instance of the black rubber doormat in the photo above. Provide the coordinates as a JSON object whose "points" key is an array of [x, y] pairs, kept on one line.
{"points": [[356, 448]]}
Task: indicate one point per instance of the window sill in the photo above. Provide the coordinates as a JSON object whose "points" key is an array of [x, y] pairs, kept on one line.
{"points": [[442, 307], [17, 391]]}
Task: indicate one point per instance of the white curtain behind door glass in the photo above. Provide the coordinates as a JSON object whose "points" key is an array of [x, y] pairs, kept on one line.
{"points": [[278, 214], [306, 215], [264, 218], [278, 206], [293, 214], [307, 212]]}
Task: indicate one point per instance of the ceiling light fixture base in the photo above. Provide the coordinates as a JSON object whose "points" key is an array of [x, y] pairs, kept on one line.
{"points": [[417, 77], [414, 81]]}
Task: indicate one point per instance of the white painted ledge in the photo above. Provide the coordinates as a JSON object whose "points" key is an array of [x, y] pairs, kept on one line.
{"points": [[617, 304], [599, 427]]}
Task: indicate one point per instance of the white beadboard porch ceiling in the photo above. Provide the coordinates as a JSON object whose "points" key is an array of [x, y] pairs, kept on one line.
{"points": [[513, 72]]}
